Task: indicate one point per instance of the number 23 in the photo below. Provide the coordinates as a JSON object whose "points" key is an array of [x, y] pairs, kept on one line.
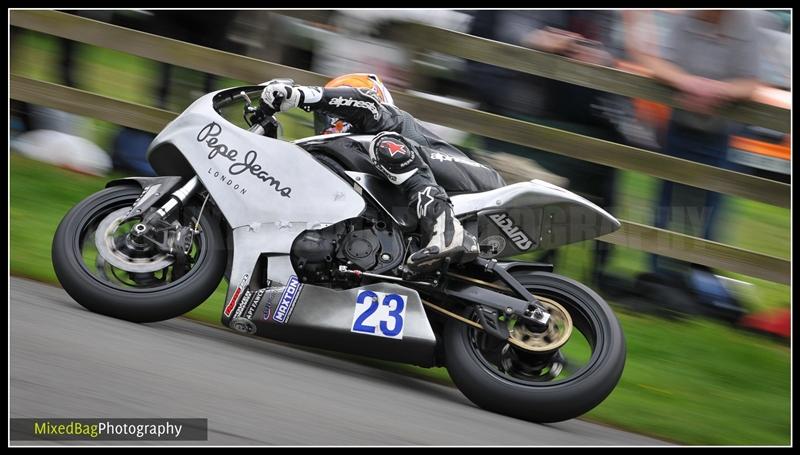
{"points": [[396, 306]]}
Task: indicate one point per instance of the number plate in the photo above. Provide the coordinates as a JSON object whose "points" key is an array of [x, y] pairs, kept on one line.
{"points": [[379, 314]]}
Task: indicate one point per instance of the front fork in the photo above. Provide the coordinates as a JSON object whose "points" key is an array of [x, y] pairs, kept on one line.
{"points": [[158, 217], [168, 237]]}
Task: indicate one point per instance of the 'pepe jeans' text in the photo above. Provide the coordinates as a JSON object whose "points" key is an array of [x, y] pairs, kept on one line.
{"points": [[209, 135]]}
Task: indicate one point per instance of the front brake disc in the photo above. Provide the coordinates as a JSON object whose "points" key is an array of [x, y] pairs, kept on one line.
{"points": [[105, 240]]}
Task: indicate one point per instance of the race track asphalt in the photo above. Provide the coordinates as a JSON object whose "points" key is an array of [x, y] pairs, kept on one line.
{"points": [[67, 362]]}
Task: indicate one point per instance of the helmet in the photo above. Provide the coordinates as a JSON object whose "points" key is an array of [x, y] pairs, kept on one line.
{"points": [[325, 124]]}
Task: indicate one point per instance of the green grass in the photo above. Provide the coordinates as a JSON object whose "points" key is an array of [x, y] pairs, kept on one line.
{"points": [[40, 196], [697, 382], [700, 382]]}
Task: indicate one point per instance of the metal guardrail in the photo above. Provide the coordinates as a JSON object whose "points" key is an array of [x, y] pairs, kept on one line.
{"points": [[633, 235], [473, 121]]}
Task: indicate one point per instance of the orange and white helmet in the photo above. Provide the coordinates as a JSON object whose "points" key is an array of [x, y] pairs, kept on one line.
{"points": [[325, 124], [367, 81]]}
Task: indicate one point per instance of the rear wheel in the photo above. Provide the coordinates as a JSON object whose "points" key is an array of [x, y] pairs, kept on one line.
{"points": [[109, 272], [552, 384]]}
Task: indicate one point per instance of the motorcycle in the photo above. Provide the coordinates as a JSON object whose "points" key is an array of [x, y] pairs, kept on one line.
{"points": [[313, 244]]}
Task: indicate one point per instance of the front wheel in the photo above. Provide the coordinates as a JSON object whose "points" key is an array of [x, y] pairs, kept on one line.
{"points": [[99, 267], [548, 386]]}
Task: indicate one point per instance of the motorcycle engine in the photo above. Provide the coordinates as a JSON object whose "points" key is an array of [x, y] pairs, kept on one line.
{"points": [[360, 248], [360, 245]]}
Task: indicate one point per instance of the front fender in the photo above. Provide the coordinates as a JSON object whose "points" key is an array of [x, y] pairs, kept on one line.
{"points": [[154, 189]]}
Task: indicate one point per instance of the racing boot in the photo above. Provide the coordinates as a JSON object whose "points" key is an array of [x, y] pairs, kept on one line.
{"points": [[441, 233]]}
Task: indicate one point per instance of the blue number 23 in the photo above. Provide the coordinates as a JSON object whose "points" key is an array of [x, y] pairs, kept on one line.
{"points": [[396, 306]]}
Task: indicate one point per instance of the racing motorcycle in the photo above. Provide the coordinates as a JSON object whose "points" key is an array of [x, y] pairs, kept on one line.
{"points": [[313, 244]]}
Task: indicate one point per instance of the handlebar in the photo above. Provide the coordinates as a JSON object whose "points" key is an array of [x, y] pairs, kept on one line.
{"points": [[264, 121], [268, 110], [260, 117]]}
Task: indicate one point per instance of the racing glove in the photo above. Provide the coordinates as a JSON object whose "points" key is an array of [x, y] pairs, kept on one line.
{"points": [[283, 94]]}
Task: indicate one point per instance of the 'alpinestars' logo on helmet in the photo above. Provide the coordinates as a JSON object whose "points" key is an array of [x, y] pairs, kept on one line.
{"points": [[395, 148]]}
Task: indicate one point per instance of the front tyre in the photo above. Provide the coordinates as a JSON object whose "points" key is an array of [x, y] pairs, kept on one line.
{"points": [[141, 285], [550, 387]]}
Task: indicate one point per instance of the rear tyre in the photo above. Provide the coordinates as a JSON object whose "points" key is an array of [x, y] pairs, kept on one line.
{"points": [[557, 386]]}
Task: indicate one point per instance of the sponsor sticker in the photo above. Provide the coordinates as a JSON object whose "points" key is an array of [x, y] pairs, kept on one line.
{"points": [[441, 157], [223, 153], [497, 244], [246, 307], [251, 310], [514, 233], [235, 297], [271, 295], [286, 303], [240, 306]]}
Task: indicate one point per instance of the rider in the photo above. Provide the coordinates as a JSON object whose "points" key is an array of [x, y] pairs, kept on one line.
{"points": [[403, 150]]}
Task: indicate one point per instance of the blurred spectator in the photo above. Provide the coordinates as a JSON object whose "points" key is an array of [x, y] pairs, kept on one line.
{"points": [[357, 44], [645, 31], [588, 36], [774, 47], [360, 44], [352, 49], [711, 57]]}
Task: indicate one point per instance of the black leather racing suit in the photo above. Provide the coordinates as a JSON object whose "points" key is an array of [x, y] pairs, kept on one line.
{"points": [[409, 155], [452, 169]]}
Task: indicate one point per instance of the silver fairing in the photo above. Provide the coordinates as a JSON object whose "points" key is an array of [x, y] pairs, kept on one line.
{"points": [[268, 190], [255, 179], [532, 215]]}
